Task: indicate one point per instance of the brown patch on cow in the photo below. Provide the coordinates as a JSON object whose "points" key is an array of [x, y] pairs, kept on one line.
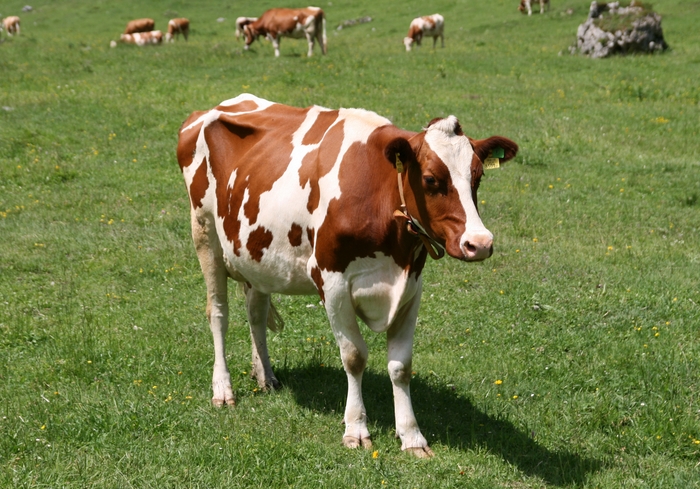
{"points": [[187, 141], [295, 235], [361, 222], [200, 184], [324, 120], [245, 106], [139, 25], [185, 157], [318, 280], [240, 143], [415, 32], [319, 162], [258, 240]]}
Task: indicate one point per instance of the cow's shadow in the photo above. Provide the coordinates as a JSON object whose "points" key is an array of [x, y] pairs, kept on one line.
{"points": [[444, 416]]}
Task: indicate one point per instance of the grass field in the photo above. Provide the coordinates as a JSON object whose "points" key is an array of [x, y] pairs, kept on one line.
{"points": [[571, 358]]}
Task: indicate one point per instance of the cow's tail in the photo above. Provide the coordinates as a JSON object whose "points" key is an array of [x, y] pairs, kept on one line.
{"points": [[321, 32], [274, 321]]}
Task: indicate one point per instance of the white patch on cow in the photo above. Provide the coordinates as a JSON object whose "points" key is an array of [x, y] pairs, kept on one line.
{"points": [[456, 152], [213, 115], [379, 289], [245, 97]]}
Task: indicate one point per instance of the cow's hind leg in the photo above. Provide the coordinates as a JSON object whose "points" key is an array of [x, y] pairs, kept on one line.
{"points": [[258, 306], [211, 260]]}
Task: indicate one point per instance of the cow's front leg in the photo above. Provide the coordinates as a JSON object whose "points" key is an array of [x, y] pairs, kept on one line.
{"points": [[400, 354], [211, 260], [353, 353], [258, 306], [276, 44]]}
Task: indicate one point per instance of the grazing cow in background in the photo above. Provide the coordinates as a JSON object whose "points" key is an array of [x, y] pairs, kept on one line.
{"points": [[526, 5], [309, 22], [241, 22], [140, 25], [143, 38], [338, 203], [11, 25], [177, 27], [427, 26]]}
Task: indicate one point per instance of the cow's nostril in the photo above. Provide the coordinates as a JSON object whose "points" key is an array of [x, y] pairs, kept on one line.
{"points": [[477, 248]]}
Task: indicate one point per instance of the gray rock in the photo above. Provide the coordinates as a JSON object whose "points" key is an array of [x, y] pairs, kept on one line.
{"points": [[642, 34]]}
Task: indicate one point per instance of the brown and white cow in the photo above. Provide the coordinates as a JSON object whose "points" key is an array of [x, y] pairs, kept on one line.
{"points": [[426, 26], [526, 6], [140, 25], [309, 22], [338, 203], [143, 38], [11, 25], [176, 27], [241, 22]]}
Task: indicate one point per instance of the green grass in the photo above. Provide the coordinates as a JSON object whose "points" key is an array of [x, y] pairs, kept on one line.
{"points": [[587, 312]]}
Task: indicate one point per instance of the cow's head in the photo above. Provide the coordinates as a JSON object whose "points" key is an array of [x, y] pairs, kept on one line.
{"points": [[444, 169], [250, 33]]}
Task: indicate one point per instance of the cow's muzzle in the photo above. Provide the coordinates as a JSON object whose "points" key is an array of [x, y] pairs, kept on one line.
{"points": [[477, 247]]}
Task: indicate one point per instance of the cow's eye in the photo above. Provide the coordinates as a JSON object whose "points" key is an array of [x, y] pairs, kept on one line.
{"points": [[430, 180]]}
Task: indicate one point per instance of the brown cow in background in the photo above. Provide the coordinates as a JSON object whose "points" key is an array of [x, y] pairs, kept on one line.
{"points": [[140, 25], [11, 24], [309, 23], [176, 27]]}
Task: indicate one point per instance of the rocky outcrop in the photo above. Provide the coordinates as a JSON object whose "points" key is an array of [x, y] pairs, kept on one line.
{"points": [[615, 29]]}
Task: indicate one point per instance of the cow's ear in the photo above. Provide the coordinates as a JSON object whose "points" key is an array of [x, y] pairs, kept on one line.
{"points": [[494, 147], [399, 153]]}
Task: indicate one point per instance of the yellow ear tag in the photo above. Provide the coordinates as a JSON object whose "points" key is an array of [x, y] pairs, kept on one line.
{"points": [[491, 163], [493, 160], [399, 165]]}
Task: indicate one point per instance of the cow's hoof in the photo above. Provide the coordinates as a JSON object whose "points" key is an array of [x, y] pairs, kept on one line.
{"points": [[229, 401], [271, 384], [352, 442], [421, 452]]}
